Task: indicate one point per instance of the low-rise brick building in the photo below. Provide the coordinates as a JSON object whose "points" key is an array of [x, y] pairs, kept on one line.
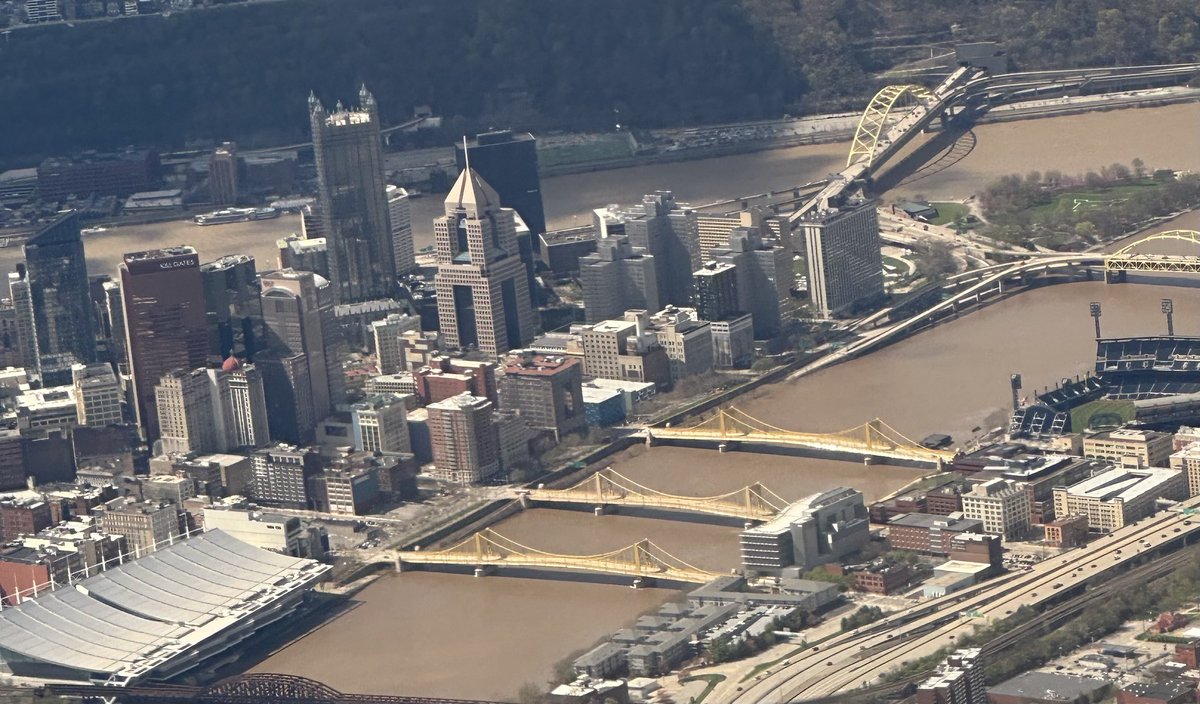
{"points": [[928, 533]]}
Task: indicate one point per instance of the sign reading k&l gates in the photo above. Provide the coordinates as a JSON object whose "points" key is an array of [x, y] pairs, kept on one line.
{"points": [[162, 262]]}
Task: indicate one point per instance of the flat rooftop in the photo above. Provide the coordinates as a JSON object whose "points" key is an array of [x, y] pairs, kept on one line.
{"points": [[1123, 484]]}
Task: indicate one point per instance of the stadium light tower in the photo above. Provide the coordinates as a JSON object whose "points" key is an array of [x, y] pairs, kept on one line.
{"points": [[1094, 306], [1168, 309]]}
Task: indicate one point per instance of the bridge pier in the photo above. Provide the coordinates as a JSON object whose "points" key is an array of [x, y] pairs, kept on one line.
{"points": [[649, 438], [603, 509], [399, 565], [484, 570], [524, 501]]}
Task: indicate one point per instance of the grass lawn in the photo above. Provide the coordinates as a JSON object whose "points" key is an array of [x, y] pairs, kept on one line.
{"points": [[712, 680], [1074, 201], [1104, 412], [949, 212]]}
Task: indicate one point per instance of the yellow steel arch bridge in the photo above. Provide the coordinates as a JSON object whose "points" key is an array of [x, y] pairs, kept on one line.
{"points": [[871, 439], [488, 548], [1129, 259], [610, 488], [873, 123]]}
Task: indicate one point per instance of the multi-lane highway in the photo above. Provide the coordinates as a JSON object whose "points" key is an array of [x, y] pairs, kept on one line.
{"points": [[856, 659]]}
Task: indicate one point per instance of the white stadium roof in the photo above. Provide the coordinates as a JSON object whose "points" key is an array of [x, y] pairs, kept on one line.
{"points": [[163, 613]]}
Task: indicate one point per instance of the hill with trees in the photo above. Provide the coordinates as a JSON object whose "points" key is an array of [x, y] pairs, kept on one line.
{"points": [[243, 71]]}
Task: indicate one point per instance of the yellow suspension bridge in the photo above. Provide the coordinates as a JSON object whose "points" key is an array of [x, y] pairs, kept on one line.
{"points": [[609, 488], [488, 549], [871, 439]]}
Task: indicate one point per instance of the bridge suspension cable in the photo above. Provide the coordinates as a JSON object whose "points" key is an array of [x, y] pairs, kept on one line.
{"points": [[752, 502], [874, 119], [1128, 258], [489, 548], [873, 438]]}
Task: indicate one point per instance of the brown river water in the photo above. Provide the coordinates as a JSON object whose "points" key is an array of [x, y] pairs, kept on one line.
{"points": [[456, 636]]}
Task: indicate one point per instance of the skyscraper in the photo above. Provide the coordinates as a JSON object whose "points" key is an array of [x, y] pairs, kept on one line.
{"points": [[352, 200], [164, 321], [232, 305], [186, 419], [845, 267], [482, 289], [510, 164], [223, 174], [58, 282], [298, 316], [115, 311], [245, 399], [400, 218], [23, 319]]}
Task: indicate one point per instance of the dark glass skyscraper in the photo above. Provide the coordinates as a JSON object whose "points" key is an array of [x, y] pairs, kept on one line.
{"points": [[352, 199], [164, 321], [509, 164], [58, 284]]}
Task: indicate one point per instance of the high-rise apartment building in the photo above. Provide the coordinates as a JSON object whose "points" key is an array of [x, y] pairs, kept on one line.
{"points": [[298, 314], [509, 162], [466, 445], [959, 679], [763, 269], [232, 305], [223, 174], [98, 395], [546, 390], [58, 283], [716, 290], [352, 200], [164, 321], [380, 423], [482, 287], [845, 267], [616, 278], [400, 217]]}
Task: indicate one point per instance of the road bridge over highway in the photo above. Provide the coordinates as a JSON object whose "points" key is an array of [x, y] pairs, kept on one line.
{"points": [[851, 660]]}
